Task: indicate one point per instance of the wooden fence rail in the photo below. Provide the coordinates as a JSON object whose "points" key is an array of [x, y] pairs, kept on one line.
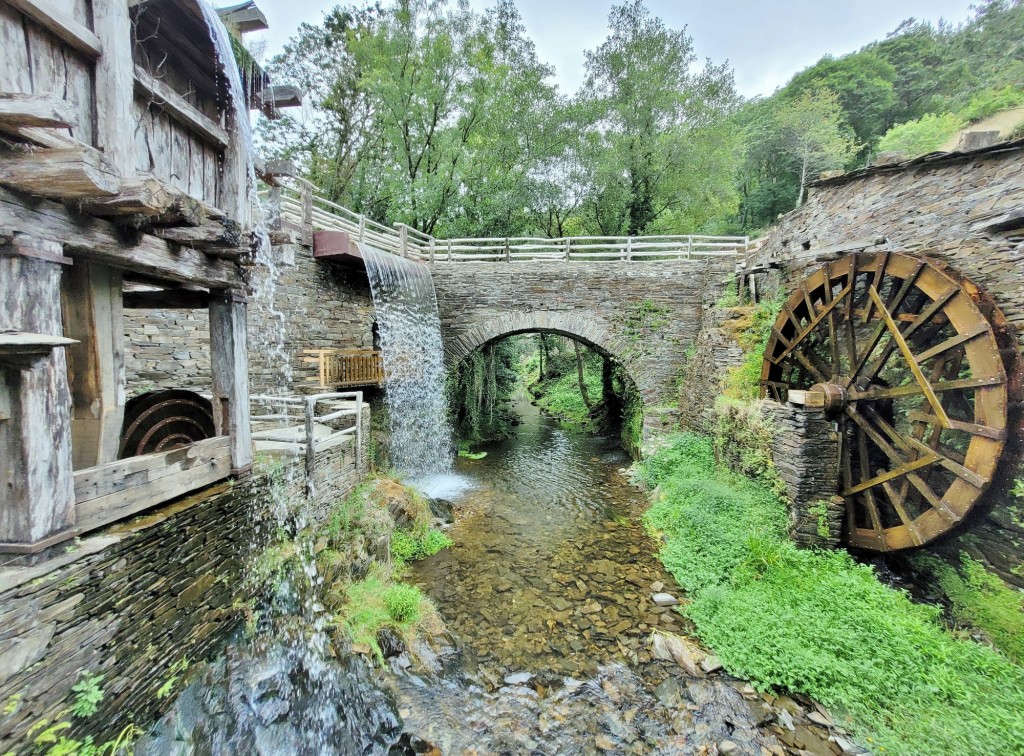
{"points": [[408, 242], [343, 368]]}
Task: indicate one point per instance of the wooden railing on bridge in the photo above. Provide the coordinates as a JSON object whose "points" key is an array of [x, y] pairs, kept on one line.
{"points": [[343, 368], [305, 211]]}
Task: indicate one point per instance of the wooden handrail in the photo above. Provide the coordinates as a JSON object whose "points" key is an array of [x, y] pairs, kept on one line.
{"points": [[346, 367], [407, 242]]}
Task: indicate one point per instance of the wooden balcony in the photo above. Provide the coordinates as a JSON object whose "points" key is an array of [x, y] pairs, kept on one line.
{"points": [[344, 368]]}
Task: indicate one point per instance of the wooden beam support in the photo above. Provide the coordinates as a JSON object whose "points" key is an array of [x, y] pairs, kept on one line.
{"points": [[230, 361], [167, 299], [60, 174], [37, 497], [150, 201], [17, 110], [115, 87], [104, 242], [93, 314], [243, 18], [222, 235], [178, 108], [61, 25]]}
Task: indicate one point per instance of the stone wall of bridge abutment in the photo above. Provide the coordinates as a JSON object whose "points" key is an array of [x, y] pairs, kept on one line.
{"points": [[642, 314]]}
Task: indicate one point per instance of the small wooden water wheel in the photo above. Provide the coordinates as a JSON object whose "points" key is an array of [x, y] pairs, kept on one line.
{"points": [[163, 420], [900, 352]]}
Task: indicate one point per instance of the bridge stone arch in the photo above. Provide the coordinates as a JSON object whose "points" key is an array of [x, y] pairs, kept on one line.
{"points": [[642, 314]]}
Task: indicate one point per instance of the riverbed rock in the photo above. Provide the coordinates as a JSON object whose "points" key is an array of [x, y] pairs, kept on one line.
{"points": [[664, 599], [519, 678], [675, 648], [442, 509], [728, 748]]}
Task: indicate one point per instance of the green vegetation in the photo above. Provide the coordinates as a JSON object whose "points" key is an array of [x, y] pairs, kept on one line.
{"points": [[979, 599], [51, 738], [744, 382], [408, 546], [818, 622], [478, 390], [927, 134], [377, 603], [466, 451]]}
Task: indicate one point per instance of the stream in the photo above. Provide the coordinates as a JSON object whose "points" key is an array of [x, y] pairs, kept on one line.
{"points": [[547, 593]]}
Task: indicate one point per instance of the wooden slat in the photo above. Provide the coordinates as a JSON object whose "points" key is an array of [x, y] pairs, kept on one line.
{"points": [[178, 108], [61, 25], [44, 111], [117, 490]]}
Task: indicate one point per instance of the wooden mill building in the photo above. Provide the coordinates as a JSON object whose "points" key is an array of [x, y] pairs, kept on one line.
{"points": [[125, 182]]}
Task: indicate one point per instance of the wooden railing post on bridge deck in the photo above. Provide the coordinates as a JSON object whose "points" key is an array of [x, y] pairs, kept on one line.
{"points": [[306, 197]]}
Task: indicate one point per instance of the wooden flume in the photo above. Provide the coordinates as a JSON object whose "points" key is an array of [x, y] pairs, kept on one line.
{"points": [[899, 352]]}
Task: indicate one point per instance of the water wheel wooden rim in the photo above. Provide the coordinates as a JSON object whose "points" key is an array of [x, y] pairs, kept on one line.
{"points": [[899, 351]]}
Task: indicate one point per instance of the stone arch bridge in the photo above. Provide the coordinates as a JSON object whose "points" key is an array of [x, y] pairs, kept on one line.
{"points": [[643, 315]]}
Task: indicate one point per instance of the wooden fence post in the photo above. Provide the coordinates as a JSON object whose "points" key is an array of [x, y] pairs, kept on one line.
{"points": [[629, 248], [306, 196], [231, 375], [508, 251], [431, 249]]}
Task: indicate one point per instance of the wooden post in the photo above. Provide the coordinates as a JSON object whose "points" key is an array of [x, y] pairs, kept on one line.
{"points": [[431, 249], [449, 258], [274, 220], [310, 407], [92, 299], [306, 195], [362, 228], [629, 248], [231, 375], [37, 499], [115, 84], [568, 247], [508, 251], [403, 239]]}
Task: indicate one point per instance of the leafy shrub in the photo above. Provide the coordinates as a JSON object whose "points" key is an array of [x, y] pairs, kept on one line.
{"points": [[927, 134], [88, 694], [818, 622], [407, 546], [988, 102], [402, 603]]}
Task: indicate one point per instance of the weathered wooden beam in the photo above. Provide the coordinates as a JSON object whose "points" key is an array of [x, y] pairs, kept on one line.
{"points": [[17, 110], [153, 202], [93, 314], [115, 84], [243, 18], [61, 25], [169, 299], [282, 96], [79, 173], [36, 498], [43, 136], [179, 108], [222, 235], [230, 362], [103, 241]]}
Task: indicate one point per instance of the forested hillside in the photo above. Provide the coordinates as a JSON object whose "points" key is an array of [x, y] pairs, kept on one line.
{"points": [[432, 114]]}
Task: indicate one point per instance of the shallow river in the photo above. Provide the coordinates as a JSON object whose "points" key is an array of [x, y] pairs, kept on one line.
{"points": [[548, 594]]}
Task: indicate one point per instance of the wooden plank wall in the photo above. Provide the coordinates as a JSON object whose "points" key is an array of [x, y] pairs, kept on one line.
{"points": [[164, 147], [35, 62]]}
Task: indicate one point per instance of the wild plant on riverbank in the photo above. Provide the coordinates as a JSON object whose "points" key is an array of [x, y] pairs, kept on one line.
{"points": [[818, 622]]}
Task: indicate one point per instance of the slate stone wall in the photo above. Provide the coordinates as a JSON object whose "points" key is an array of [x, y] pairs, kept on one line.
{"points": [[315, 305], [644, 314], [134, 599], [805, 452]]}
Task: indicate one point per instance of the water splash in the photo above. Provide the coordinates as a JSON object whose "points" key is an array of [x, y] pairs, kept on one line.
{"points": [[413, 356]]}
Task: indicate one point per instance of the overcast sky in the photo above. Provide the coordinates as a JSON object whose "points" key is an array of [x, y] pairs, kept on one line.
{"points": [[765, 41]]}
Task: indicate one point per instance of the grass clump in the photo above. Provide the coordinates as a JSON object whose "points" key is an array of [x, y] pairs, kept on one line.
{"points": [[818, 622], [408, 546], [376, 603], [979, 599]]}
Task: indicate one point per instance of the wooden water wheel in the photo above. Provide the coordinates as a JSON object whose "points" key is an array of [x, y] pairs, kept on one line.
{"points": [[899, 351], [163, 420]]}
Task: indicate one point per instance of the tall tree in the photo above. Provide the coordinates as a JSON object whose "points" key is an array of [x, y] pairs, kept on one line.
{"points": [[653, 114]]}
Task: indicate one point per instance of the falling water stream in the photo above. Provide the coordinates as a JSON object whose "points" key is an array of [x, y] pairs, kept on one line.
{"points": [[413, 356]]}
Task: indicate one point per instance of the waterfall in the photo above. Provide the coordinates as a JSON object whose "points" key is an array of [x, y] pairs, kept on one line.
{"points": [[410, 343]]}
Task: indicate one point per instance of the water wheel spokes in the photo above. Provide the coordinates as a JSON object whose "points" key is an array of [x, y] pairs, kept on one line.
{"points": [[910, 367]]}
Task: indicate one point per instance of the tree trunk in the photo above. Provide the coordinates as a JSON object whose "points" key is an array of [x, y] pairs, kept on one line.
{"points": [[545, 358], [803, 181], [579, 376]]}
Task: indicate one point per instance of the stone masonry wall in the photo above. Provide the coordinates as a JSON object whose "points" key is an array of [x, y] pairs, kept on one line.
{"points": [[967, 212], [644, 314], [315, 305], [167, 349], [134, 599], [806, 455]]}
